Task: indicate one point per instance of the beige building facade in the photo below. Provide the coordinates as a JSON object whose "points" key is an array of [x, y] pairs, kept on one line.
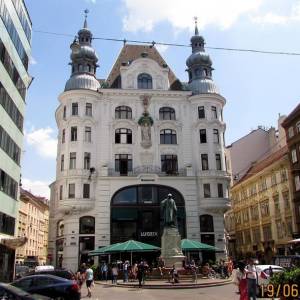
{"points": [[261, 221], [33, 223]]}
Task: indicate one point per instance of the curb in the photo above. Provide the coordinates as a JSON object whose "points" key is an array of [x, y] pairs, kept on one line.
{"points": [[166, 286]]}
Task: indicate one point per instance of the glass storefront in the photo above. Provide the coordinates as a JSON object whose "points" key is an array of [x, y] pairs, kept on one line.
{"points": [[135, 213]]}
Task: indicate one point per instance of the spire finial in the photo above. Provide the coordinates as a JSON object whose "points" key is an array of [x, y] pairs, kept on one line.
{"points": [[86, 11], [196, 26]]}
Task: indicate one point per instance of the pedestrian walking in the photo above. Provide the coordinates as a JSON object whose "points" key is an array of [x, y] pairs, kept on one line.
{"points": [[141, 273], [114, 273], [89, 277], [125, 271], [80, 275], [104, 271], [251, 274], [241, 281]]}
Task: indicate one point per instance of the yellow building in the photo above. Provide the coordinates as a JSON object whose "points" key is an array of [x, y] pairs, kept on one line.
{"points": [[261, 220], [34, 224]]}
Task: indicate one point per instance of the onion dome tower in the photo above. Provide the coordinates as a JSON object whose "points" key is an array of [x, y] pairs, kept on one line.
{"points": [[200, 67], [84, 61]]}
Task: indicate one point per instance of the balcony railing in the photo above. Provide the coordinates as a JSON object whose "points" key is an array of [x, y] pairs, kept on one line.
{"points": [[148, 170]]}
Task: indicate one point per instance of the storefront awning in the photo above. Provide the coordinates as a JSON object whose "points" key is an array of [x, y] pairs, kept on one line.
{"points": [[14, 243]]}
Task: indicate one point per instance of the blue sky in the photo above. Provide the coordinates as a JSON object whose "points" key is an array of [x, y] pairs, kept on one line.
{"points": [[257, 86]]}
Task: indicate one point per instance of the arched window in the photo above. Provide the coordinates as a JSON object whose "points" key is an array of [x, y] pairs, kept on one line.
{"points": [[206, 223], [123, 136], [168, 136], [144, 81], [123, 112], [60, 228], [167, 113], [87, 225]]}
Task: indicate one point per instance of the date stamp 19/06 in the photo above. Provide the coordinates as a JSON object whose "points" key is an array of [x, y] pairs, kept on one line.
{"points": [[282, 290]]}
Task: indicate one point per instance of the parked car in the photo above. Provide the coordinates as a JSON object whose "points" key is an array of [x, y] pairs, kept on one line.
{"points": [[48, 285], [264, 280], [67, 274], [21, 271], [8, 292]]}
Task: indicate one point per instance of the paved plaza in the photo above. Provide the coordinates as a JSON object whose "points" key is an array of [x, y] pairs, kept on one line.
{"points": [[226, 292]]}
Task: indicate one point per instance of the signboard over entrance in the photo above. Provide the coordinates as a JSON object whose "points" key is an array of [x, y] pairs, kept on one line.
{"points": [[149, 233]]}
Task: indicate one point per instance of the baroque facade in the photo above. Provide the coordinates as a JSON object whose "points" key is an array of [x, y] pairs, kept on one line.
{"points": [[34, 224], [128, 141], [15, 49], [292, 127]]}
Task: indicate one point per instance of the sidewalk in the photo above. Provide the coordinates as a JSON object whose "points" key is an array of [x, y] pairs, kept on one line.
{"points": [[164, 284]]}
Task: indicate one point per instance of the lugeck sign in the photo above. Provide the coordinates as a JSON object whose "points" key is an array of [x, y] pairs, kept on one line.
{"points": [[149, 233]]}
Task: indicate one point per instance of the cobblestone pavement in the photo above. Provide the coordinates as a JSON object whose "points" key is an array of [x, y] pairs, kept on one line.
{"points": [[226, 292]]}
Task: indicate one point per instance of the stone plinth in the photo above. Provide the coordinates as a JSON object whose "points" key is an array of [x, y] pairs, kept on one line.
{"points": [[171, 247]]}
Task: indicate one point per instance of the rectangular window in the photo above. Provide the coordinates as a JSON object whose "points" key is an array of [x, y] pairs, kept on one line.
{"points": [[204, 161], [291, 132], [294, 156], [214, 113], [286, 200], [88, 109], [267, 232], [216, 136], [297, 182], [62, 162], [88, 134], [63, 137], [203, 139], [86, 190], [72, 190], [218, 162], [10, 107], [8, 145], [75, 109], [206, 189], [273, 179], [73, 134], [60, 192], [8, 185], [13, 33], [12, 70], [220, 190], [64, 112], [201, 112], [72, 160], [169, 164], [7, 224], [87, 160], [123, 164], [264, 209]]}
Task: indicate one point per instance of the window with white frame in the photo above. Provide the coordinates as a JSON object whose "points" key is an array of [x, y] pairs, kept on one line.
{"points": [[291, 132], [214, 112], [88, 109], [73, 133], [216, 136], [123, 136], [203, 137], [72, 190], [87, 160], [88, 134], [72, 164]]}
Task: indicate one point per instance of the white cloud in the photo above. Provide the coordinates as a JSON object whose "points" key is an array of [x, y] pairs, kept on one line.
{"points": [[43, 141], [271, 18], [32, 61], [143, 15], [161, 48], [36, 187]]}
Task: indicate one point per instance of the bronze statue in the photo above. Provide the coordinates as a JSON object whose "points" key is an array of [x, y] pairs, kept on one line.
{"points": [[168, 210]]}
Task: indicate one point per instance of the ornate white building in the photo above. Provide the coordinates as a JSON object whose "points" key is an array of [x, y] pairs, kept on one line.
{"points": [[126, 142]]}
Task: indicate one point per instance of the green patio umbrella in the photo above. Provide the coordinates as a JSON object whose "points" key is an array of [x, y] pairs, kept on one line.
{"points": [[129, 246], [190, 245]]}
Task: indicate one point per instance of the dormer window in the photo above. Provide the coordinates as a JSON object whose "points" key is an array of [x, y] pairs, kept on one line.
{"points": [[144, 81]]}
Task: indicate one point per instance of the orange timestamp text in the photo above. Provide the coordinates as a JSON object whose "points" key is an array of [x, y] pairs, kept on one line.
{"points": [[280, 290]]}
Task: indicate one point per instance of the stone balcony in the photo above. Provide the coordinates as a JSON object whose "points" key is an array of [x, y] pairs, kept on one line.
{"points": [[76, 205], [216, 205]]}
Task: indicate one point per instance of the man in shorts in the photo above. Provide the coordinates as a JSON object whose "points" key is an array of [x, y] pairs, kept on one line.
{"points": [[89, 278]]}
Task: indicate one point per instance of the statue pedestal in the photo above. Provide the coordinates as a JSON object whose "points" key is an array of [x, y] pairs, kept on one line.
{"points": [[171, 248]]}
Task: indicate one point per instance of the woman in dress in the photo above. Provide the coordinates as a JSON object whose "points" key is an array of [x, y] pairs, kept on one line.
{"points": [[242, 281]]}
